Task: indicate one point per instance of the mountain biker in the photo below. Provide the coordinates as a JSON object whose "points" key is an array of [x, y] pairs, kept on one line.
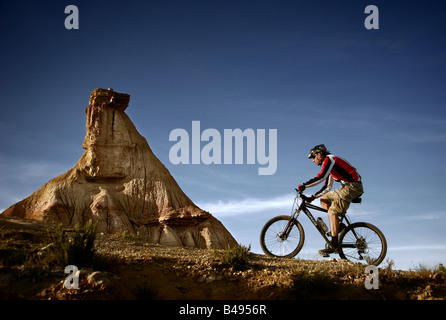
{"points": [[336, 202]]}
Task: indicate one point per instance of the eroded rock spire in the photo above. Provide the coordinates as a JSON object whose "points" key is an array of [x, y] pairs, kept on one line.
{"points": [[119, 183]]}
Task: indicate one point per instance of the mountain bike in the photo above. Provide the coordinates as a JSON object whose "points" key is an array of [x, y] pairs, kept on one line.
{"points": [[283, 236]]}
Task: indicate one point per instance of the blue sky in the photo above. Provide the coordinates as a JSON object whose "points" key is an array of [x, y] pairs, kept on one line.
{"points": [[309, 69]]}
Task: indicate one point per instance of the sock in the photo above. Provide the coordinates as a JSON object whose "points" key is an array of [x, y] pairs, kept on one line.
{"points": [[334, 240]]}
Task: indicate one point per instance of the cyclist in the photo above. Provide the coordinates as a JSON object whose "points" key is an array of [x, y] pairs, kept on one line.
{"points": [[336, 202]]}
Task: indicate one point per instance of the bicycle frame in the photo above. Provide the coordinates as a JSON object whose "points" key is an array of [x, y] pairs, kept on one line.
{"points": [[359, 241], [304, 207]]}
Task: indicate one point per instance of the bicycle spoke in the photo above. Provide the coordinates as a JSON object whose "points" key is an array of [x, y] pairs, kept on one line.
{"points": [[278, 245], [277, 242], [362, 244]]}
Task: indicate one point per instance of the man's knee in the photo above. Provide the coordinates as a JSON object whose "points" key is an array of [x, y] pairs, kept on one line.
{"points": [[332, 214], [325, 203]]}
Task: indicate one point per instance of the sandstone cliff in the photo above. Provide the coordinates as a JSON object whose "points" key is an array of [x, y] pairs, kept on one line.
{"points": [[120, 184]]}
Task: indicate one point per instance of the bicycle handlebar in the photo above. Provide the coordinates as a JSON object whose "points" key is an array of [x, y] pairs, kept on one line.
{"points": [[304, 197]]}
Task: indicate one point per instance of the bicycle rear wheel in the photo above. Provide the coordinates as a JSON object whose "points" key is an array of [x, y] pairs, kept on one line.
{"points": [[282, 237], [364, 243]]}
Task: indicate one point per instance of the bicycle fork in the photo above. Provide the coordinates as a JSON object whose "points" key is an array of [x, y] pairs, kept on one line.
{"points": [[284, 235]]}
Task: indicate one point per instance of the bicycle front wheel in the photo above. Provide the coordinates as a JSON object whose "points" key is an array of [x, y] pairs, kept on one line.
{"points": [[364, 243], [282, 237]]}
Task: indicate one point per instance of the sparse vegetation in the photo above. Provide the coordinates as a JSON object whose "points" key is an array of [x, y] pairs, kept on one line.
{"points": [[236, 257], [313, 280], [77, 249], [138, 270], [426, 270]]}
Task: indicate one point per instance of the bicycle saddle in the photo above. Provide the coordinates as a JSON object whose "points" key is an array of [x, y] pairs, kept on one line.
{"points": [[357, 200]]}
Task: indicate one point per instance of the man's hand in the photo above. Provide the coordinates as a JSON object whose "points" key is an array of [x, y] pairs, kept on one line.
{"points": [[301, 188], [309, 199]]}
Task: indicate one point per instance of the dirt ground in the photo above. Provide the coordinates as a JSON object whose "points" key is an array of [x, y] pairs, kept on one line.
{"points": [[128, 268]]}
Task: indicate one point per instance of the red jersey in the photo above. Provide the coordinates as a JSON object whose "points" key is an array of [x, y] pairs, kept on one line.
{"points": [[333, 168]]}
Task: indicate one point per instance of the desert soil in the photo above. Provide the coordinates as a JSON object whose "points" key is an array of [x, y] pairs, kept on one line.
{"points": [[128, 268]]}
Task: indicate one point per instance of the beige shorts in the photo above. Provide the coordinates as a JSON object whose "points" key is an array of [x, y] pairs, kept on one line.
{"points": [[341, 198]]}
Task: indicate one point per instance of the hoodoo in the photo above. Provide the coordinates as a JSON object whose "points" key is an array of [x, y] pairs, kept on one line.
{"points": [[119, 183]]}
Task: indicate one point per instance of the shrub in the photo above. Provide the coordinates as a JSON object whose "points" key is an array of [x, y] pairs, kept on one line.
{"points": [[236, 257], [78, 249]]}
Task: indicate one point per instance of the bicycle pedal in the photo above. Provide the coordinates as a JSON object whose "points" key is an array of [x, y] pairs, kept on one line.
{"points": [[324, 254]]}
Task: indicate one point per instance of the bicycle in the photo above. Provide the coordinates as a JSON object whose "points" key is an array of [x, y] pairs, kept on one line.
{"points": [[283, 236]]}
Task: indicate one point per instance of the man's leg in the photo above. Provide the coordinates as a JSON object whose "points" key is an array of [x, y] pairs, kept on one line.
{"points": [[325, 203], [334, 206], [334, 224], [332, 217], [338, 207]]}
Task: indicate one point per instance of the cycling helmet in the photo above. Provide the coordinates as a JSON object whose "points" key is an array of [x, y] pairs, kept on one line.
{"points": [[317, 149]]}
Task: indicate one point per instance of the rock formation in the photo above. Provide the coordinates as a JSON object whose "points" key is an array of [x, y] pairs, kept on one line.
{"points": [[119, 183]]}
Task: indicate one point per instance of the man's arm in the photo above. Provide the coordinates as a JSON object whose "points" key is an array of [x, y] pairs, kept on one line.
{"points": [[327, 165], [327, 187]]}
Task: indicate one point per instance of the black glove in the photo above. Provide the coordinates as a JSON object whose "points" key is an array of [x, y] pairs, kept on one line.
{"points": [[309, 199], [301, 188]]}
